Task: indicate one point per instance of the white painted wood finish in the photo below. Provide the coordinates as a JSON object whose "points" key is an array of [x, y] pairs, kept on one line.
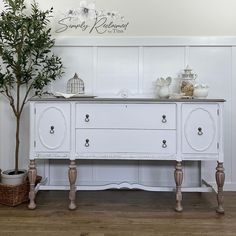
{"points": [[126, 116], [125, 141], [52, 127], [200, 128], [104, 129], [114, 136]]}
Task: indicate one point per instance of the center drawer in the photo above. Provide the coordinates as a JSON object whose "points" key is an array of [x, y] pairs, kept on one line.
{"points": [[135, 141], [126, 116]]}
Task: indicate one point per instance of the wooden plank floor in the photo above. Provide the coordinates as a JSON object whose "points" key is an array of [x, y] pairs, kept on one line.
{"points": [[126, 213]]}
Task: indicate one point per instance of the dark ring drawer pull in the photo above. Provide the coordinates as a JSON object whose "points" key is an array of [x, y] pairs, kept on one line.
{"points": [[52, 131], [164, 120], [200, 131], [86, 143], [164, 145], [86, 118]]}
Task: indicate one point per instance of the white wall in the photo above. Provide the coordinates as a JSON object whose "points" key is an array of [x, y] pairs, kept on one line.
{"points": [[163, 17]]}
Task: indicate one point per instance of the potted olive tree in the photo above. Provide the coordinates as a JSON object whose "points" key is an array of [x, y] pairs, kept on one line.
{"points": [[27, 63]]}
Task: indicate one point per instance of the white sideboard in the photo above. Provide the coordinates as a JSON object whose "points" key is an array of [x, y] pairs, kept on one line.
{"points": [[127, 129]]}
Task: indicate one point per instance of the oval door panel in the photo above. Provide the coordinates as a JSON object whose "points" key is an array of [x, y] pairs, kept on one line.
{"points": [[200, 129], [52, 128]]}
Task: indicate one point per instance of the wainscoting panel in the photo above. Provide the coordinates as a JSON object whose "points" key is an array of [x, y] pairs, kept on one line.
{"points": [[110, 65], [232, 126], [117, 68], [161, 62], [76, 60]]}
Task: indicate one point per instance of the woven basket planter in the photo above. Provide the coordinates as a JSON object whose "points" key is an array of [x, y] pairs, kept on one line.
{"points": [[13, 195]]}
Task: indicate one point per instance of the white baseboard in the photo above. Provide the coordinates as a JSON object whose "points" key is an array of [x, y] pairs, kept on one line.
{"points": [[228, 186]]}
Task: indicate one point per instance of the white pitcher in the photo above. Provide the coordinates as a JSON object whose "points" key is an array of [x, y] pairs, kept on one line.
{"points": [[163, 87]]}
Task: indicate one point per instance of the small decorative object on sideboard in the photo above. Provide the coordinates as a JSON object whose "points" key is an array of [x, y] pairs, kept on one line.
{"points": [[75, 85], [200, 91], [163, 89], [124, 93], [187, 81]]}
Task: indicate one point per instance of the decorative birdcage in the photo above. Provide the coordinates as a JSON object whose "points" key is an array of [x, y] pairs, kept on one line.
{"points": [[75, 85]]}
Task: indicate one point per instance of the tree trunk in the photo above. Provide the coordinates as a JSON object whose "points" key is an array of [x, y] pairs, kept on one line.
{"points": [[17, 144]]}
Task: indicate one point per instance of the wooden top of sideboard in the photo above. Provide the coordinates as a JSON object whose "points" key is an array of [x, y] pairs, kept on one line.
{"points": [[143, 100]]}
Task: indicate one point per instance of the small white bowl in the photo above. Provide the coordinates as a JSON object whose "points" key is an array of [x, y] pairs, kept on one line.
{"points": [[200, 92]]}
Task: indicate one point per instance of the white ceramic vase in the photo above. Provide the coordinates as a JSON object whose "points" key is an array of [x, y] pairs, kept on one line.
{"points": [[200, 91], [164, 91]]}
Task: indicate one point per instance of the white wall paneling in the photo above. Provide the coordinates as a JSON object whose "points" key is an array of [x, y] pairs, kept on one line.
{"points": [[232, 160], [76, 60], [161, 62], [117, 68], [160, 41], [146, 173], [108, 65]]}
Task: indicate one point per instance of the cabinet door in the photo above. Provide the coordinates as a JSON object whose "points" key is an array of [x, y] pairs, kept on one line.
{"points": [[52, 127], [200, 128]]}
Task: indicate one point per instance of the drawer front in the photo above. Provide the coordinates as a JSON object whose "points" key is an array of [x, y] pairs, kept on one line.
{"points": [[126, 116], [133, 141], [200, 128]]}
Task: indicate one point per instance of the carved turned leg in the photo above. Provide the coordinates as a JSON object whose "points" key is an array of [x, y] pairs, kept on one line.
{"points": [[220, 179], [178, 181], [72, 173], [32, 178]]}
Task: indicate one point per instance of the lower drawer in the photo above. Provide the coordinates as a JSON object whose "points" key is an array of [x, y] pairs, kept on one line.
{"points": [[135, 141]]}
